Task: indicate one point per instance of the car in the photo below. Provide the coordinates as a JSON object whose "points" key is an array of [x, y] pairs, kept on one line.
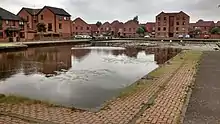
{"points": [[180, 36], [147, 36], [206, 36], [186, 36]]}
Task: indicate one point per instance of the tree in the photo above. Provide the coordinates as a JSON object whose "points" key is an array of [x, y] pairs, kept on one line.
{"points": [[136, 19], [140, 31], [215, 30], [98, 23], [41, 27]]}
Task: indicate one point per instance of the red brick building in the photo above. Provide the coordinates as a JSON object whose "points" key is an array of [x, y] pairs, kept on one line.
{"points": [[116, 28], [130, 28], [11, 26], [105, 29], [80, 27], [150, 27], [217, 24], [94, 29], [31, 16], [204, 26], [172, 24], [57, 20]]}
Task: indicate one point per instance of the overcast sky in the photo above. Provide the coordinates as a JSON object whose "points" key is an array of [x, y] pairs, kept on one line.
{"points": [[109, 10]]}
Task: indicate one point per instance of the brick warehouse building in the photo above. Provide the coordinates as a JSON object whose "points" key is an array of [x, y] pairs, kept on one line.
{"points": [[172, 24], [57, 20]]}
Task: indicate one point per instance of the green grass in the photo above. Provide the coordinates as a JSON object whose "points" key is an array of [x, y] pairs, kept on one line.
{"points": [[7, 44]]}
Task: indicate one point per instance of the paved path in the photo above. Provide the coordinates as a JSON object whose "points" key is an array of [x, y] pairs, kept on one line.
{"points": [[204, 105]]}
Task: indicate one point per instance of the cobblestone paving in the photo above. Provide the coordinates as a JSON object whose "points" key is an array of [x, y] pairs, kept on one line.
{"points": [[120, 110], [10, 120], [169, 103]]}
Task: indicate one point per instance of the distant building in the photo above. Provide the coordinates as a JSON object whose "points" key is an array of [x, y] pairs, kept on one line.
{"points": [[172, 24], [80, 27], [57, 20], [217, 24], [12, 26], [116, 28], [94, 29], [130, 29], [150, 27], [204, 26], [105, 29]]}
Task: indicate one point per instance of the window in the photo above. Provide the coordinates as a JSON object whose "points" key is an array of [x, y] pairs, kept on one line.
{"points": [[81, 28], [158, 18], [42, 17], [87, 28], [159, 23], [184, 18], [177, 28], [165, 18], [28, 26], [49, 27], [60, 26], [184, 23], [35, 21], [1, 34], [124, 29], [60, 18], [65, 18], [158, 33], [13, 23], [158, 28], [28, 18], [101, 29], [177, 23], [129, 29], [164, 29], [6, 22], [177, 18], [165, 23]]}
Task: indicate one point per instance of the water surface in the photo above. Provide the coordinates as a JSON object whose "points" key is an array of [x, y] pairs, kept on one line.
{"points": [[75, 77]]}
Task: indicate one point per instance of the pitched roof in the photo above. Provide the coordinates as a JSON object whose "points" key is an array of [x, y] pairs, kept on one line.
{"points": [[32, 11], [57, 11], [204, 23], [79, 19], [6, 15], [172, 13], [131, 22], [218, 23]]}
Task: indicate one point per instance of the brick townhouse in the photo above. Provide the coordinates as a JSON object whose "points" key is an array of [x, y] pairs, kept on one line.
{"points": [[105, 28], [130, 29], [172, 24], [116, 28], [11, 26], [31, 16], [204, 26], [57, 20], [80, 27]]}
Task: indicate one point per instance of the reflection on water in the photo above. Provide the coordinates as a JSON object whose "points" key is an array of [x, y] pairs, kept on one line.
{"points": [[82, 78]]}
